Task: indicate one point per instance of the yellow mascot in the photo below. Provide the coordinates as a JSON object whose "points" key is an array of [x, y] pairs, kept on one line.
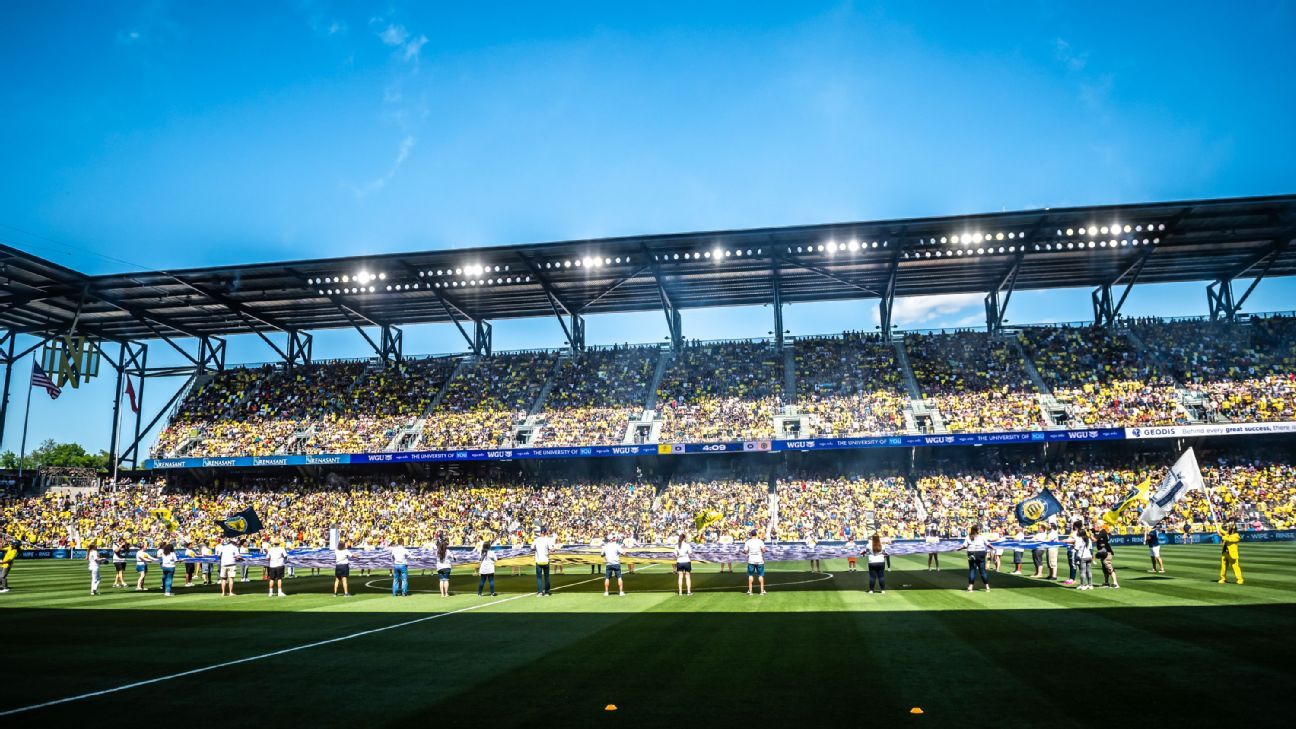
{"points": [[1229, 554]]}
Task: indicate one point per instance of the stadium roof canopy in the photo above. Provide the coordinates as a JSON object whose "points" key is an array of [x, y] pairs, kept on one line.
{"points": [[1103, 246]]}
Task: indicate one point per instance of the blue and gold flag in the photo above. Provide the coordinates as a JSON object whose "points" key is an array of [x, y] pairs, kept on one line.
{"points": [[243, 523], [1038, 508]]}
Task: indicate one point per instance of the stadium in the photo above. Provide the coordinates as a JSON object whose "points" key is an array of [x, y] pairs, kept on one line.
{"points": [[1018, 521]]}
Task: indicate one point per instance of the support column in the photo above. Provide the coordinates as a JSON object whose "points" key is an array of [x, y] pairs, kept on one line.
{"points": [[392, 344], [778, 307], [299, 348], [1104, 313], [577, 333], [1219, 300], [7, 359], [116, 408], [482, 336]]}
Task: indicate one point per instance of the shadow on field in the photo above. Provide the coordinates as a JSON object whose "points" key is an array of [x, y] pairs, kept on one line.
{"points": [[1019, 667]]}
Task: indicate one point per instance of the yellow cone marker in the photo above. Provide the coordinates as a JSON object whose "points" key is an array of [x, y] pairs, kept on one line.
{"points": [[916, 710], [610, 707]]}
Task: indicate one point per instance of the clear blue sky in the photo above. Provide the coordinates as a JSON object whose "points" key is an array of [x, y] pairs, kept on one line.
{"points": [[156, 134]]}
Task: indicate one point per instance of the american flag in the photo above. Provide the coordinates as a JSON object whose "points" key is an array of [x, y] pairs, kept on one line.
{"points": [[40, 379]]}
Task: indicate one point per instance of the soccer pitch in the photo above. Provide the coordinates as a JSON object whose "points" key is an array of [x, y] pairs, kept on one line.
{"points": [[816, 650]]}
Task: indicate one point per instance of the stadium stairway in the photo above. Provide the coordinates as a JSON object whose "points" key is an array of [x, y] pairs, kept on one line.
{"points": [[1052, 412], [789, 374], [445, 386], [538, 406], [918, 410], [663, 361], [902, 357]]}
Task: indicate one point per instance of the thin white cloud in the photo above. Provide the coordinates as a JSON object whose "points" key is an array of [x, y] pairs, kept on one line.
{"points": [[381, 181], [394, 35], [410, 51], [934, 311]]}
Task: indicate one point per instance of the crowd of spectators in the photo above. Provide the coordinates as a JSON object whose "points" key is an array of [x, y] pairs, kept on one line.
{"points": [[716, 392], [850, 385], [846, 507], [1244, 370], [486, 400], [596, 393], [1100, 378], [944, 499], [978, 382], [847, 386]]}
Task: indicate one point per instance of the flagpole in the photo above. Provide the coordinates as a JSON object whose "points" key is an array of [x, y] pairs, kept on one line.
{"points": [[116, 435], [22, 449]]}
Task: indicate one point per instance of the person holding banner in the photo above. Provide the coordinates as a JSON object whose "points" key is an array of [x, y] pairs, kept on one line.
{"points": [[341, 570], [612, 565], [142, 560], [976, 546], [276, 559], [167, 557], [543, 544], [443, 564], [229, 558], [400, 570], [755, 549], [684, 565], [1229, 552], [487, 568], [877, 557]]}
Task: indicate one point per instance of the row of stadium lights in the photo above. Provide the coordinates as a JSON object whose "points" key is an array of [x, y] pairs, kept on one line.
{"points": [[716, 254], [587, 262], [366, 279], [968, 239]]}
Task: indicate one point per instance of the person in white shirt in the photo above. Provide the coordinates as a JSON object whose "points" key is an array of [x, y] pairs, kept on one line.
{"points": [[341, 570], [486, 569], [400, 570], [976, 546], [443, 565], [93, 560], [612, 565], [168, 557], [816, 565], [543, 544], [877, 558], [276, 559], [142, 560], [229, 558], [684, 564], [755, 549]]}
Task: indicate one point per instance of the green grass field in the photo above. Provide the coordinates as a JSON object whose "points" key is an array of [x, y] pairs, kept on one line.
{"points": [[818, 650]]}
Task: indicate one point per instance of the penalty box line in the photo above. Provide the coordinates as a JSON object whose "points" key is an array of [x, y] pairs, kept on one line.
{"points": [[272, 654]]}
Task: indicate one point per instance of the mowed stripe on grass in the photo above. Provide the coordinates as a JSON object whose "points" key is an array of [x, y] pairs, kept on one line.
{"points": [[821, 651]]}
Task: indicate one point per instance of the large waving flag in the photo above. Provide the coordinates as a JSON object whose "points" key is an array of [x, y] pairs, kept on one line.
{"points": [[244, 522], [1038, 508], [1136, 495], [1184, 476]]}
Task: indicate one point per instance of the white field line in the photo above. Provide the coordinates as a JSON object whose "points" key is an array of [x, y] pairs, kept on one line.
{"points": [[272, 654]]}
